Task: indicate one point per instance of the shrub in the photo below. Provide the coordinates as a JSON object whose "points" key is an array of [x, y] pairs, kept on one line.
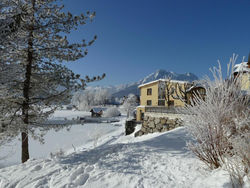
{"points": [[219, 124]]}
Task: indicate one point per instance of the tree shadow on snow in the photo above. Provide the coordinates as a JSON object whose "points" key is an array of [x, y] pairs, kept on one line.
{"points": [[173, 142]]}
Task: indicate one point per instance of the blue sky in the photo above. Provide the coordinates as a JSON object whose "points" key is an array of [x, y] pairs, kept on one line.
{"points": [[137, 37]]}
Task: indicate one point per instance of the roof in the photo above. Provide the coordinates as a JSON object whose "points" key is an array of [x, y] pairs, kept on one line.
{"points": [[242, 67], [195, 87], [163, 80], [97, 110]]}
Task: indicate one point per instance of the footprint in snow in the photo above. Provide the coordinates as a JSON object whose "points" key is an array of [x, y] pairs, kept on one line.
{"points": [[89, 168], [76, 173], [36, 168], [41, 183], [79, 177], [81, 180]]}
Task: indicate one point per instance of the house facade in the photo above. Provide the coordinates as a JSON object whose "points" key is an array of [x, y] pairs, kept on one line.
{"points": [[244, 69], [157, 95]]}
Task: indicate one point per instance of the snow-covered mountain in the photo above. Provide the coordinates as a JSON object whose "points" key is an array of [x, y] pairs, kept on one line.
{"points": [[124, 90]]}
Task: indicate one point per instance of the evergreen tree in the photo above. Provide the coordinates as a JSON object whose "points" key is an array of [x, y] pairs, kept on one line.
{"points": [[35, 81]]}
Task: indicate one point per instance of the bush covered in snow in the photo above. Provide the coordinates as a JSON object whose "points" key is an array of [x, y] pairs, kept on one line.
{"points": [[111, 112], [220, 125], [130, 104], [84, 100]]}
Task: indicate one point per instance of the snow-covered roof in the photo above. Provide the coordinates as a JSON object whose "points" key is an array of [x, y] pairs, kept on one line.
{"points": [[97, 110], [163, 80], [195, 86], [242, 67]]}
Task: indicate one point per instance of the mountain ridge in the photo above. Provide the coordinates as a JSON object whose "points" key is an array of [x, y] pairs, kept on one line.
{"points": [[126, 89]]}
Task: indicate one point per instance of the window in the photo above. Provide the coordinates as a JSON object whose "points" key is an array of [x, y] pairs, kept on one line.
{"points": [[161, 102], [149, 102], [149, 91]]}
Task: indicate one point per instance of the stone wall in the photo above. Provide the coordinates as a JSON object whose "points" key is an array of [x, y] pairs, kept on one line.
{"points": [[156, 123], [165, 115]]}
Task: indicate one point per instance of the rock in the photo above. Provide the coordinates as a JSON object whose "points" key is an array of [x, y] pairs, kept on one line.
{"points": [[138, 133], [163, 121], [180, 122], [166, 126], [159, 126], [172, 121], [164, 129], [146, 118], [168, 121], [150, 130], [154, 130], [143, 129], [151, 119], [144, 124], [157, 121], [151, 124], [172, 126]]}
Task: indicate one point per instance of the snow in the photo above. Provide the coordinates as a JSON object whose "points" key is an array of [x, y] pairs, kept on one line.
{"points": [[69, 114], [242, 67], [78, 135], [105, 157], [163, 80]]}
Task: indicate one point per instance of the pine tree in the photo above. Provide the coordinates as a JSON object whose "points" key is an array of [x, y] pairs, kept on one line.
{"points": [[35, 81]]}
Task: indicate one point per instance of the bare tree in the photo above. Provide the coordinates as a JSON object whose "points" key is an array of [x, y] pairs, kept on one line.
{"points": [[180, 92], [166, 90]]}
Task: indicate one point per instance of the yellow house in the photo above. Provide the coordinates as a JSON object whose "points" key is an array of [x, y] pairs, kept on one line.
{"points": [[244, 69], [161, 93], [246, 82]]}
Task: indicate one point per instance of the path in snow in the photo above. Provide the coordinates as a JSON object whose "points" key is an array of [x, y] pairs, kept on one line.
{"points": [[156, 160]]}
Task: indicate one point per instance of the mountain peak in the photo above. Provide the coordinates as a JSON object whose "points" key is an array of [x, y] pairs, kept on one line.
{"points": [[158, 74]]}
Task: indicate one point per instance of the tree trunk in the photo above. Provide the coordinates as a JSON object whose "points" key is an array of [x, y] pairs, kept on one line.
{"points": [[26, 92], [26, 106], [25, 147]]}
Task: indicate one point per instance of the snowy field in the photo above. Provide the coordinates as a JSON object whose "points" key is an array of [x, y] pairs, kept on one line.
{"points": [[99, 155], [86, 135]]}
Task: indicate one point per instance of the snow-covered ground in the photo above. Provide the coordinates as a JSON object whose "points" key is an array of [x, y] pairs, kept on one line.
{"points": [[86, 135], [103, 156]]}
